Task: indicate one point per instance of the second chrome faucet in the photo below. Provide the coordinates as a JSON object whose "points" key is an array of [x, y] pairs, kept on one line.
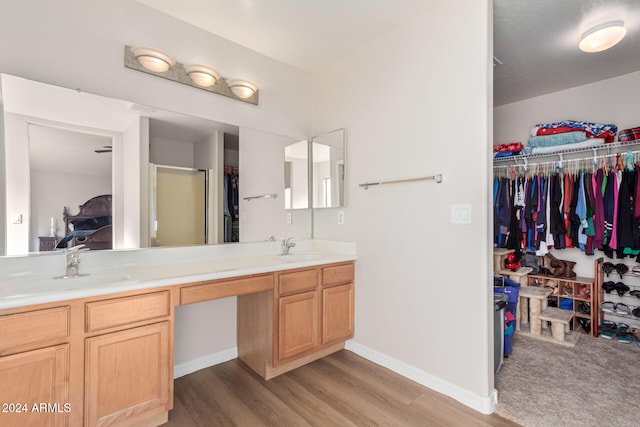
{"points": [[286, 245]]}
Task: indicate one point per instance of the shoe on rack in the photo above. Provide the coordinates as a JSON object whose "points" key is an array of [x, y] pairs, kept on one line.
{"points": [[607, 307], [621, 288], [622, 309]]}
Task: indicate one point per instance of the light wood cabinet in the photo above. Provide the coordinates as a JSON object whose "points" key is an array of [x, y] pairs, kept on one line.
{"points": [[310, 312], [90, 362], [127, 375], [337, 313], [108, 360], [35, 388], [299, 329]]}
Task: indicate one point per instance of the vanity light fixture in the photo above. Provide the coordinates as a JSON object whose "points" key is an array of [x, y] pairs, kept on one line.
{"points": [[202, 75], [150, 60], [603, 36], [153, 59], [242, 88]]}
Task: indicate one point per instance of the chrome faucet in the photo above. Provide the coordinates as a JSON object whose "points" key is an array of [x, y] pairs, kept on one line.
{"points": [[73, 259], [286, 245]]}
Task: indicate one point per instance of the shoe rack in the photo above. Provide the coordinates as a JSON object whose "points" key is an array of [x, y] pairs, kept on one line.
{"points": [[621, 304], [578, 295]]}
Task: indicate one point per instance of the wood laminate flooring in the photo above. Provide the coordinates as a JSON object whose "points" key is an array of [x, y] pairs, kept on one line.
{"points": [[342, 389]]}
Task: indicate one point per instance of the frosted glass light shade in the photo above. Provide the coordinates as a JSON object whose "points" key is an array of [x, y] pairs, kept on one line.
{"points": [[603, 36], [202, 75], [242, 88], [153, 59]]}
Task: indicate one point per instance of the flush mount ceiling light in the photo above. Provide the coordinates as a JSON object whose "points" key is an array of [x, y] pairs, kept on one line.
{"points": [[153, 59], [242, 88], [603, 36], [202, 75]]}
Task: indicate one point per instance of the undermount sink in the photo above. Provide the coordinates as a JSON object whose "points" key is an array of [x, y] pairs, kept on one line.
{"points": [[300, 257], [41, 285]]}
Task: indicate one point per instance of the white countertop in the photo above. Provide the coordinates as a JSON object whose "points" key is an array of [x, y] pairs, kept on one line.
{"points": [[31, 280]]}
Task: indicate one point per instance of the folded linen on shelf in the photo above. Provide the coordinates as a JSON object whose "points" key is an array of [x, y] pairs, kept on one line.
{"points": [[558, 139], [630, 134], [593, 130], [511, 146], [589, 143]]}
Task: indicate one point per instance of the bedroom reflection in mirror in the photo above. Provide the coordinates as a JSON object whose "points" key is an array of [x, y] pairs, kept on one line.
{"points": [[71, 187]]}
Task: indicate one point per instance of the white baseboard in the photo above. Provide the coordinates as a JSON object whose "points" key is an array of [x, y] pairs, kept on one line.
{"points": [[479, 403], [204, 362]]}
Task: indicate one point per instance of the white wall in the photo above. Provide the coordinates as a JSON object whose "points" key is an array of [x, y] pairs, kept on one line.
{"points": [[80, 44], [422, 283], [169, 152], [607, 101]]}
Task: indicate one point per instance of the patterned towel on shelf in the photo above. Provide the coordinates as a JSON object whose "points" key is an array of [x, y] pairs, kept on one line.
{"points": [[512, 147], [629, 134]]}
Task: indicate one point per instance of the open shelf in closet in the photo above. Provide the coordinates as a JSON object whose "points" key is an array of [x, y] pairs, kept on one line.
{"points": [[607, 150]]}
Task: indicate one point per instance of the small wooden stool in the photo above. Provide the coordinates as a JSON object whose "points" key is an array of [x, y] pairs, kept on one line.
{"points": [[559, 319], [535, 299]]}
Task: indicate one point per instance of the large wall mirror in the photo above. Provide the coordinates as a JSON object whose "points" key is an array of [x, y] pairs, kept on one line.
{"points": [[328, 171], [61, 149]]}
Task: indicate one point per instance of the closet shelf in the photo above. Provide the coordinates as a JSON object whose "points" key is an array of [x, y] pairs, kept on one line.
{"points": [[608, 147]]}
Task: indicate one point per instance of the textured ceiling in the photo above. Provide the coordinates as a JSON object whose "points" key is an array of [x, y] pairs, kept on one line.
{"points": [[537, 43]]}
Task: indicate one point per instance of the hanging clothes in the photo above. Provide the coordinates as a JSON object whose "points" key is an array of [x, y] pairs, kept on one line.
{"points": [[556, 221]]}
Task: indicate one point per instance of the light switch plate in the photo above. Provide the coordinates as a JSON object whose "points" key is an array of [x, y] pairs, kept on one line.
{"points": [[16, 218], [340, 217], [289, 220], [461, 214]]}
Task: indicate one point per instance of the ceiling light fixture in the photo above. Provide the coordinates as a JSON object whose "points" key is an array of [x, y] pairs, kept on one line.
{"points": [[242, 88], [603, 36], [153, 59], [202, 75]]}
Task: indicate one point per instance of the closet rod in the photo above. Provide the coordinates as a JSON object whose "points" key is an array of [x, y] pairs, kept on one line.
{"points": [[437, 178], [263, 196]]}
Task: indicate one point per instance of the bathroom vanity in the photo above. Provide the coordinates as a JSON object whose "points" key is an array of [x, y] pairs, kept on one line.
{"points": [[98, 350]]}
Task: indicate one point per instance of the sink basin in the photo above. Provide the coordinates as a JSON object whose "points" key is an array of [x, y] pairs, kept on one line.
{"points": [[300, 257], [46, 285]]}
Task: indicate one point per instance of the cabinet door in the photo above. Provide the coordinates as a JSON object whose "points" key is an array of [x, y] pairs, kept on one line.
{"points": [[35, 387], [337, 313], [127, 375], [298, 326]]}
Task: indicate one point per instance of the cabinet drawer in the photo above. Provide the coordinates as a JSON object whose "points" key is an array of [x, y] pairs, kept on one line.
{"points": [[225, 288], [338, 274], [32, 327], [123, 311], [297, 281]]}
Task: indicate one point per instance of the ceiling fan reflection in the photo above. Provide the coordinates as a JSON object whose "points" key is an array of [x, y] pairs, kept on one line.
{"points": [[104, 149]]}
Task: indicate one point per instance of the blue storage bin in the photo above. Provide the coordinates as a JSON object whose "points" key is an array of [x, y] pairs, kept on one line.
{"points": [[512, 289]]}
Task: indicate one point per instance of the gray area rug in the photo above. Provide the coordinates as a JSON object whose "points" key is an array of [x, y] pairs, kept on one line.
{"points": [[595, 383]]}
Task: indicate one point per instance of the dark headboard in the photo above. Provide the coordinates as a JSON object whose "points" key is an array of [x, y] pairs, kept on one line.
{"points": [[96, 208]]}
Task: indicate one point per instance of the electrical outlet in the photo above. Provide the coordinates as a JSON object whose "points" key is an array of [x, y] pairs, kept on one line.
{"points": [[340, 217], [289, 220]]}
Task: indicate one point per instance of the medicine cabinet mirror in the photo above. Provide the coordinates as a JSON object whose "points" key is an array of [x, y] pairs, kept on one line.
{"points": [[296, 175], [328, 169]]}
